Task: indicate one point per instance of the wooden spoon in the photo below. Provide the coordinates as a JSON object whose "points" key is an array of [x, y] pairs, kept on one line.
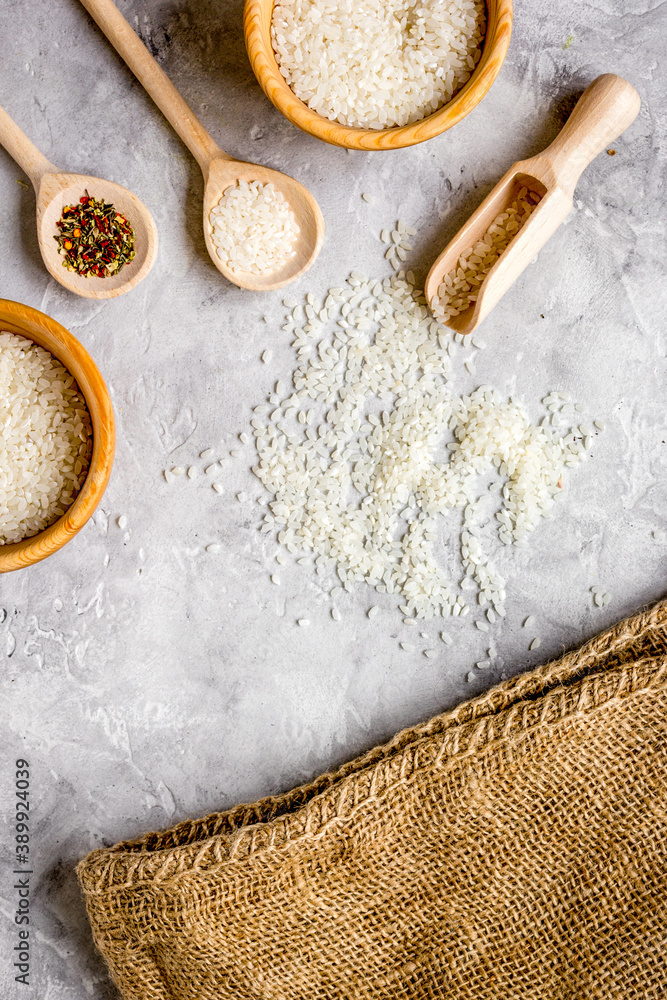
{"points": [[55, 190], [219, 169], [605, 109]]}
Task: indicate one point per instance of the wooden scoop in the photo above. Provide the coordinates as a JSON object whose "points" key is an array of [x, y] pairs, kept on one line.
{"points": [[55, 190], [605, 109], [219, 169]]}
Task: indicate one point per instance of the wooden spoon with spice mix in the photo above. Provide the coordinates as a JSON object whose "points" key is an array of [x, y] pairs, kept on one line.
{"points": [[55, 191], [219, 169]]}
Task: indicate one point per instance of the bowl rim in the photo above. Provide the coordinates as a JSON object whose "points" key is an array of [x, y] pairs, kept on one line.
{"points": [[257, 31], [48, 333]]}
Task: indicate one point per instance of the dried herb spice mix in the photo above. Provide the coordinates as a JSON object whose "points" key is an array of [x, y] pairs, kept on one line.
{"points": [[94, 238]]}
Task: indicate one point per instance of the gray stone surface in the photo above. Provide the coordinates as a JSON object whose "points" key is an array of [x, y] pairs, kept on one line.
{"points": [[147, 681]]}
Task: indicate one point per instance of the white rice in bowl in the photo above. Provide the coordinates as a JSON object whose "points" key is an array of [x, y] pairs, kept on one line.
{"points": [[377, 64], [45, 442]]}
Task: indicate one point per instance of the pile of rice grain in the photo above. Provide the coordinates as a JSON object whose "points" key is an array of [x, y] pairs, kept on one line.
{"points": [[460, 287], [371, 442], [377, 63], [46, 439], [253, 228]]}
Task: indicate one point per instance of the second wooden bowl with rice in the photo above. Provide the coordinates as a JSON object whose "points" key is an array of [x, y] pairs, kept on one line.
{"points": [[380, 74], [57, 446]]}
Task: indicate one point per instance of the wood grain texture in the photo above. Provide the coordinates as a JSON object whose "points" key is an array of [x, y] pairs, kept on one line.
{"points": [[220, 174], [219, 169], [605, 109], [257, 30], [54, 190], [36, 326]]}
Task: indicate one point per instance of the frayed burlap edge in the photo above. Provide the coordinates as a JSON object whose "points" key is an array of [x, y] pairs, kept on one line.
{"points": [[627, 658]]}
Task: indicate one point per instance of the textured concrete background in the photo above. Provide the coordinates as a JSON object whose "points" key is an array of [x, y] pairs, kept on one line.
{"points": [[147, 681]]}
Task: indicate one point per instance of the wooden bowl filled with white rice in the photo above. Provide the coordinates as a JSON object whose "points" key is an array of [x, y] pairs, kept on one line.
{"points": [[376, 74], [58, 436]]}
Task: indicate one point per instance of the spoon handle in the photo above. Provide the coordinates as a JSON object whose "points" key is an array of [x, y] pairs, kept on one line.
{"points": [[27, 155], [605, 109], [155, 81]]}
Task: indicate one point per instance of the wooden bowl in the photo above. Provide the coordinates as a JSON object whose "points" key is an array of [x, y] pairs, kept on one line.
{"points": [[36, 326], [257, 30]]}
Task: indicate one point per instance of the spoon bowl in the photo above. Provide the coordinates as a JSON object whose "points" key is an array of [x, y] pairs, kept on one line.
{"points": [[218, 168], [58, 190], [54, 191], [223, 172]]}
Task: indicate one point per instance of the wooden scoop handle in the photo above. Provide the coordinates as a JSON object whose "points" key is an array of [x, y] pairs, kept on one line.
{"points": [[154, 80], [604, 110], [23, 151]]}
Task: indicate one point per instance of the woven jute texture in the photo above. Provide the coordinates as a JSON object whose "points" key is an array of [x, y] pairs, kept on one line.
{"points": [[512, 849]]}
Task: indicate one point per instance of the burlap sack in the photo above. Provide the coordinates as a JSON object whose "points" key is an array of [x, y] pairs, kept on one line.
{"points": [[515, 847]]}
